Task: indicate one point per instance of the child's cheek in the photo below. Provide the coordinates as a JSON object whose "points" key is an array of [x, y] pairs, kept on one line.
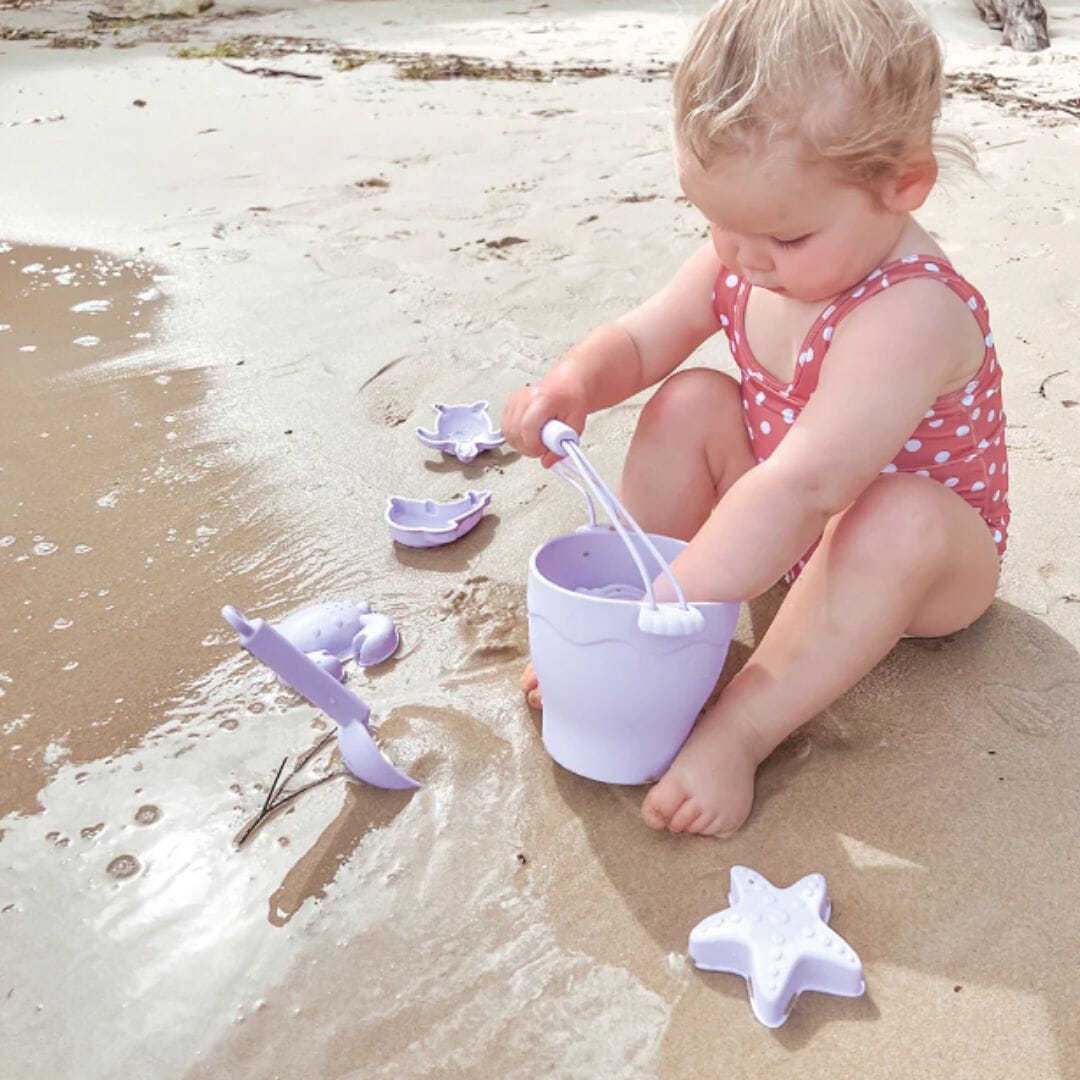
{"points": [[722, 246], [807, 263]]}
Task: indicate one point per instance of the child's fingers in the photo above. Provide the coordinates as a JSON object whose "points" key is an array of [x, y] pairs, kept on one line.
{"points": [[539, 411], [511, 419], [533, 411], [527, 413], [508, 418]]}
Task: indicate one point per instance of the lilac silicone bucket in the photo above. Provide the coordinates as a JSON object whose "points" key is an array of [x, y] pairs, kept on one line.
{"points": [[618, 701]]}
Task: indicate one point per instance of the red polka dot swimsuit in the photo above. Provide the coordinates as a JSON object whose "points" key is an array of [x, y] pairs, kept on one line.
{"points": [[960, 442]]}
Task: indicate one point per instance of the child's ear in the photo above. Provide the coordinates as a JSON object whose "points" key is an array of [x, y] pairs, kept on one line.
{"points": [[909, 188]]}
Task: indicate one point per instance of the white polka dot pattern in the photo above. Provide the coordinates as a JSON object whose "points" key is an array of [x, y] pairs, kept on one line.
{"points": [[958, 443]]}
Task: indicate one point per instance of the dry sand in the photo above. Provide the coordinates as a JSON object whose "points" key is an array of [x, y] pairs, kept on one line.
{"points": [[315, 261]]}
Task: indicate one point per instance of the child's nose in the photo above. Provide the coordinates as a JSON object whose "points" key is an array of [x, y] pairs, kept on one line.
{"points": [[754, 257]]}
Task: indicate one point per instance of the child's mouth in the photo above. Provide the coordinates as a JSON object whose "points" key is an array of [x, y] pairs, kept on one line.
{"points": [[766, 286]]}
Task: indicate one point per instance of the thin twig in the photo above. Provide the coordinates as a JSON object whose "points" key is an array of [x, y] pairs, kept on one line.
{"points": [[263, 817], [300, 791], [316, 749], [1042, 385], [270, 73], [273, 785], [274, 798]]}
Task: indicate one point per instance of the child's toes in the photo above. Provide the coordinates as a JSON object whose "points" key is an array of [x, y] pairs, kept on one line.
{"points": [[702, 823], [528, 679], [662, 802], [684, 819], [723, 824], [530, 687], [712, 824]]}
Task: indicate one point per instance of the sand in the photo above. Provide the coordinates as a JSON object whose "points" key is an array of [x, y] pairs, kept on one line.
{"points": [[282, 274]]}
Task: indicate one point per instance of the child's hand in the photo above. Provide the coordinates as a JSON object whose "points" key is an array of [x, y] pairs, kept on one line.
{"points": [[531, 407]]}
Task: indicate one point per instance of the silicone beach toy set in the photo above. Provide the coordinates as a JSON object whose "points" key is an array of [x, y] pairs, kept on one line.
{"points": [[623, 675], [308, 649]]}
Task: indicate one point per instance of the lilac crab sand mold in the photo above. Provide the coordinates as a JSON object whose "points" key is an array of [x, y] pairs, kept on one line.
{"points": [[358, 750], [462, 430], [779, 941], [335, 631], [424, 523]]}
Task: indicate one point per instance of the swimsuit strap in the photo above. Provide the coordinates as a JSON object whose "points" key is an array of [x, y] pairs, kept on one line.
{"points": [[816, 342]]}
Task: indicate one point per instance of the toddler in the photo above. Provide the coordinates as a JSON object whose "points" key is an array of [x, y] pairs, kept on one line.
{"points": [[860, 455]]}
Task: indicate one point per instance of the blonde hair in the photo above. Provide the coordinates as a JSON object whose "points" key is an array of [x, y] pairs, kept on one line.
{"points": [[858, 82]]}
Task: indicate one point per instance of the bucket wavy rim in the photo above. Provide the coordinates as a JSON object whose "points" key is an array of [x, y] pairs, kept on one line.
{"points": [[591, 598]]}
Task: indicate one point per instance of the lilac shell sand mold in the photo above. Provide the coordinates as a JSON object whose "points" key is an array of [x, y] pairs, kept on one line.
{"points": [[424, 523], [462, 430]]}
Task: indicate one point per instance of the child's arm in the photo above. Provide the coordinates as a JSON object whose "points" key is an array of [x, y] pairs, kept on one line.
{"points": [[887, 364], [620, 358]]}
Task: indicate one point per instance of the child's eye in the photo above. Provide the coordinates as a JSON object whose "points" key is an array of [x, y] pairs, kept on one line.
{"points": [[792, 243]]}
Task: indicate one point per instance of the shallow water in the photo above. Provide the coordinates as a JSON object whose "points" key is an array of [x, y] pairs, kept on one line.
{"points": [[140, 742], [86, 476]]}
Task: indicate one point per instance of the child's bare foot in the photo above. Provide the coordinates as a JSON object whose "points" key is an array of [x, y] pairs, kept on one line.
{"points": [[709, 787], [530, 687]]}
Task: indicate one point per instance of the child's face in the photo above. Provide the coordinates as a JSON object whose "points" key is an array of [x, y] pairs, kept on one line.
{"points": [[789, 226]]}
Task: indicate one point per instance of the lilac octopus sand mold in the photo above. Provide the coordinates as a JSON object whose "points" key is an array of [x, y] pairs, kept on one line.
{"points": [[424, 523], [335, 631], [462, 430]]}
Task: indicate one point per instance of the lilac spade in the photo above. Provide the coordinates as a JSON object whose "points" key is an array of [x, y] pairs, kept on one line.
{"points": [[358, 750]]}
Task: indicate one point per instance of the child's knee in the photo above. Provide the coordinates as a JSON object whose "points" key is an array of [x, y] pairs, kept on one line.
{"points": [[692, 399], [896, 521]]}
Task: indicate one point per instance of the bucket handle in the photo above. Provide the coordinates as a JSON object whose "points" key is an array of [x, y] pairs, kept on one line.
{"points": [[667, 619], [567, 472]]}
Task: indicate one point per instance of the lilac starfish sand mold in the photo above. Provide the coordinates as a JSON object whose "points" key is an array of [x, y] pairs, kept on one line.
{"points": [[779, 941], [462, 430], [424, 523]]}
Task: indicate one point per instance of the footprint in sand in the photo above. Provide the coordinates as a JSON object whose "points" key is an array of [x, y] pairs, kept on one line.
{"points": [[492, 621], [386, 407], [1033, 711]]}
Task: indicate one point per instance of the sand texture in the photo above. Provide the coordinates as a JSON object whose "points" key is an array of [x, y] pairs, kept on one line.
{"points": [[241, 254]]}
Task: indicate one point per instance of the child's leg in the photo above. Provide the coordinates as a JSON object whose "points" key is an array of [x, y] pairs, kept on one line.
{"points": [[689, 447], [908, 556]]}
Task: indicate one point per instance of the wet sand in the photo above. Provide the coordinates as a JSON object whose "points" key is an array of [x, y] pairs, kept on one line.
{"points": [[315, 262]]}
